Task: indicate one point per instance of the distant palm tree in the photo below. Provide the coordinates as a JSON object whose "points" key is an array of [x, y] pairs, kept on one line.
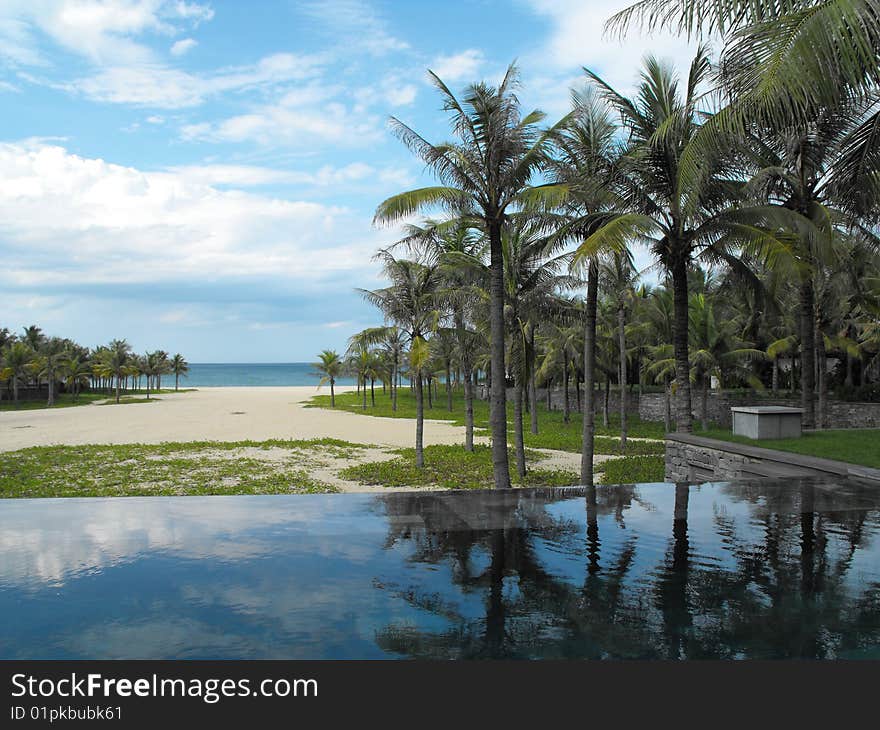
{"points": [[16, 358], [411, 303], [116, 360], [330, 367], [50, 361], [75, 371], [179, 366]]}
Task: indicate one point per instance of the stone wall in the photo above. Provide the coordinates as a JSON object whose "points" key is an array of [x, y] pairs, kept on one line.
{"points": [[839, 414], [556, 399], [697, 459]]}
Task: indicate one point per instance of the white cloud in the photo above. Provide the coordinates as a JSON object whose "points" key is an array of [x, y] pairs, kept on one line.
{"points": [[462, 66], [301, 117], [578, 38], [179, 48], [96, 219], [103, 32], [354, 25], [254, 175]]}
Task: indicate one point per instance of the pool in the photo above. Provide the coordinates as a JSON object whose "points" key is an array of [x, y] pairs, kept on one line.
{"points": [[723, 570]]}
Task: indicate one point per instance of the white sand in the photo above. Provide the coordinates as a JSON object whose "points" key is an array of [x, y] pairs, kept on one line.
{"points": [[212, 414]]}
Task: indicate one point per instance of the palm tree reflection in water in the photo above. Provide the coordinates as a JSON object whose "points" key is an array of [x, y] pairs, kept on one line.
{"points": [[760, 584]]}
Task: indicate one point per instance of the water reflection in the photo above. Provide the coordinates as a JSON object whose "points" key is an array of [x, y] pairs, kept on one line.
{"points": [[654, 571]]}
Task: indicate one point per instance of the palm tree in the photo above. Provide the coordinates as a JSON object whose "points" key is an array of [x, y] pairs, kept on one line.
{"points": [[330, 367], [410, 302], [681, 217], [179, 366], [75, 371], [115, 361], [50, 359], [485, 173], [618, 275], [16, 358], [783, 63]]}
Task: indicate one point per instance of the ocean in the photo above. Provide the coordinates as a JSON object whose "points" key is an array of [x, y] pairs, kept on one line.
{"points": [[207, 374]]}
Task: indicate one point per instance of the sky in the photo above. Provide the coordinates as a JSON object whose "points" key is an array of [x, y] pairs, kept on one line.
{"points": [[201, 177]]}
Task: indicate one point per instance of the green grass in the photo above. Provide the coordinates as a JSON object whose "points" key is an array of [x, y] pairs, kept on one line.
{"points": [[62, 400], [855, 446], [66, 400], [633, 470], [451, 467], [165, 469], [128, 399], [554, 433]]}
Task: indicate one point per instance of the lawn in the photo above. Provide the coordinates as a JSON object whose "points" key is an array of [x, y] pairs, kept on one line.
{"points": [[451, 467], [553, 433], [244, 467], [66, 400], [855, 446]]}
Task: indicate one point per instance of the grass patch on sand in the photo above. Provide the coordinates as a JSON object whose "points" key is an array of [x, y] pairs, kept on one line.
{"points": [[451, 467], [203, 467], [554, 433], [854, 446], [633, 470], [67, 400]]}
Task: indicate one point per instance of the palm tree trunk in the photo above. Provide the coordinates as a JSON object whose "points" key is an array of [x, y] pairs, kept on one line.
{"points": [[683, 417], [589, 425], [667, 415], [373, 392], [498, 395], [15, 388], [775, 384], [823, 378], [518, 428], [566, 416], [396, 384], [51, 380], [332, 393], [117, 388], [430, 394], [605, 406], [621, 337], [533, 391], [468, 409], [176, 381], [449, 386], [549, 393], [364, 399], [704, 402], [420, 423], [808, 386]]}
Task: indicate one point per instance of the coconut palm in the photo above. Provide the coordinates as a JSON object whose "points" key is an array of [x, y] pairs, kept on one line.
{"points": [[485, 173], [782, 63], [410, 302], [680, 217], [330, 368], [179, 366], [75, 372], [16, 359], [49, 363]]}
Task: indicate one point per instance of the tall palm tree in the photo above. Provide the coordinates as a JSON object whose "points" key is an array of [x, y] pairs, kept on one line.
{"points": [[116, 359], [179, 366], [586, 159], [680, 217], [330, 367], [410, 302], [618, 275], [485, 173]]}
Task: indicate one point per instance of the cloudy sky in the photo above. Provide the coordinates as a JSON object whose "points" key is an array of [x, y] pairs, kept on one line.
{"points": [[201, 177]]}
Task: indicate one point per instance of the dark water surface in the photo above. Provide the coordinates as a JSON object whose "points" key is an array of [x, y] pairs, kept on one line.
{"points": [[653, 571]]}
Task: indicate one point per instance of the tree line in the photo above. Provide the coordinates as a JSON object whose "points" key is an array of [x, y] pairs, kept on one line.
{"points": [[752, 181], [34, 359]]}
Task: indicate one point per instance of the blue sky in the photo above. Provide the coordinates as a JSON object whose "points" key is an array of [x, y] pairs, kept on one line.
{"points": [[201, 176]]}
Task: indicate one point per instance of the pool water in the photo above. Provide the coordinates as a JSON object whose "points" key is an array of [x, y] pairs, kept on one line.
{"points": [[738, 570]]}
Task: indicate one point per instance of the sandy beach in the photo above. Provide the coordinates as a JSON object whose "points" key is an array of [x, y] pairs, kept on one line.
{"points": [[212, 414]]}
